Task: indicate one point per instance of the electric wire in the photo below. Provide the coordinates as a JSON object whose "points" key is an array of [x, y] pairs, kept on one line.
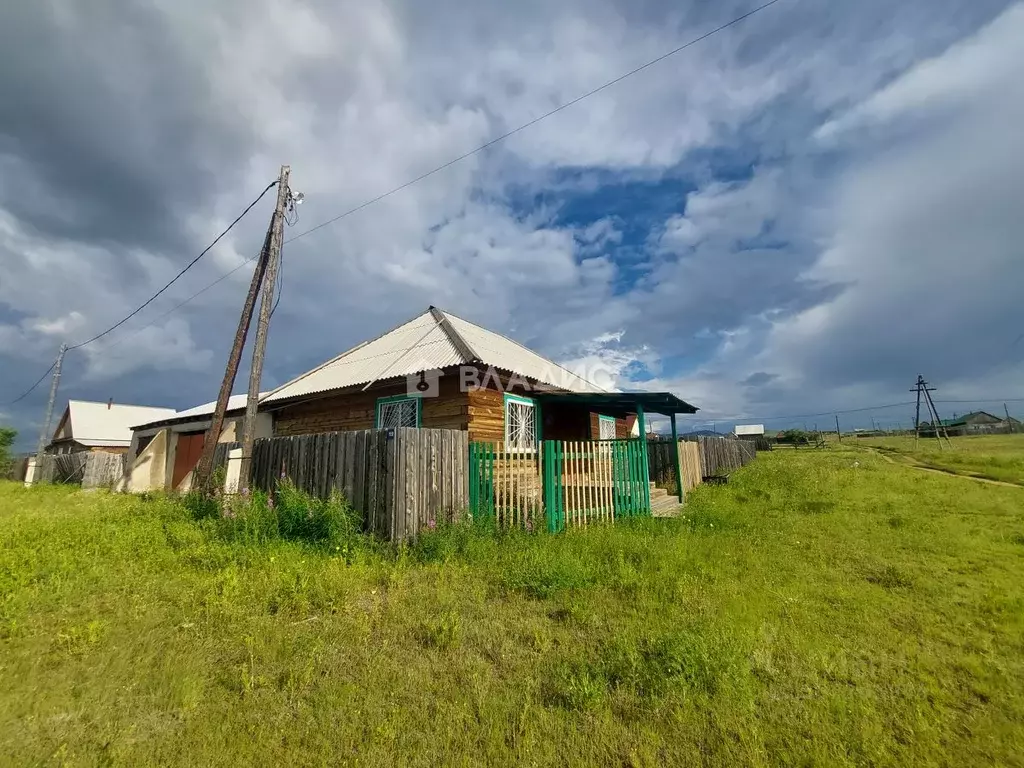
{"points": [[535, 120]]}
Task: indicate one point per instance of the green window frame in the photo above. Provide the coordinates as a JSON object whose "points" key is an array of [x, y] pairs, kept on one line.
{"points": [[534, 409], [601, 420], [382, 401]]}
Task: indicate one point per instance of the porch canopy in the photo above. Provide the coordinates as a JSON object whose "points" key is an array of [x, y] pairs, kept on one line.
{"points": [[620, 404]]}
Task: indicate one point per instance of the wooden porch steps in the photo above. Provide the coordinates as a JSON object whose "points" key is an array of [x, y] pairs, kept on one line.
{"points": [[663, 505]]}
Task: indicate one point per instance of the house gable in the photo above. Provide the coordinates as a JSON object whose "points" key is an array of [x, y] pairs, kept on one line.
{"points": [[434, 340]]}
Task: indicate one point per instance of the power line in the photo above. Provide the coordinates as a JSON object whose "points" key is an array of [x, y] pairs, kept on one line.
{"points": [[829, 413], [29, 391], [986, 400], [182, 272], [536, 120], [377, 199], [181, 304]]}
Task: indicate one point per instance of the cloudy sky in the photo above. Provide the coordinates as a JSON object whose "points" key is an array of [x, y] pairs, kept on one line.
{"points": [[796, 215]]}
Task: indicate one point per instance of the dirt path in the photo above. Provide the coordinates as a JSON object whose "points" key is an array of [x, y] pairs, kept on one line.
{"points": [[909, 462]]}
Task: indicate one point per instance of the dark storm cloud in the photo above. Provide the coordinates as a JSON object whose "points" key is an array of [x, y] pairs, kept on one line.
{"points": [[108, 132]]}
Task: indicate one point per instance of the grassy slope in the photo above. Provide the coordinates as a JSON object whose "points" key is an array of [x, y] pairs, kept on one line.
{"points": [[996, 457], [810, 612]]}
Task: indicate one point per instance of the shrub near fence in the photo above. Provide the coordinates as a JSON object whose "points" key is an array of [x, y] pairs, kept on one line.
{"points": [[399, 480]]}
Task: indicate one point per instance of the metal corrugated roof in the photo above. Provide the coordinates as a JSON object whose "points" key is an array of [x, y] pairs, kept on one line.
{"points": [[96, 424], [423, 344], [501, 352], [196, 413]]}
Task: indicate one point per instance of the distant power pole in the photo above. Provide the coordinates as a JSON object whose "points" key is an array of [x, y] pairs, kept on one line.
{"points": [[263, 323], [838, 433], [45, 430], [922, 388], [1009, 423], [205, 466]]}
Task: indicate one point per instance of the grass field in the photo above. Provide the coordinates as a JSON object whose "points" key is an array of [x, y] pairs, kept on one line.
{"points": [[823, 608], [995, 457]]}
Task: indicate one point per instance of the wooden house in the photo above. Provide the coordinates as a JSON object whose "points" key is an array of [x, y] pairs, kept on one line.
{"points": [[440, 371], [106, 427]]}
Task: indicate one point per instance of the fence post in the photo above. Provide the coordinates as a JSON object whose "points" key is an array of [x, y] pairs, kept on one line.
{"points": [[233, 470], [30, 472], [675, 458], [645, 469]]}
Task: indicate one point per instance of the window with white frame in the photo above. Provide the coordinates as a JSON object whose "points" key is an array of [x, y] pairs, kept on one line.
{"points": [[520, 424], [394, 412], [606, 426]]}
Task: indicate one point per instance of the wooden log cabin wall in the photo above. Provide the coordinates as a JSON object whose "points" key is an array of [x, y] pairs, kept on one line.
{"points": [[480, 411]]}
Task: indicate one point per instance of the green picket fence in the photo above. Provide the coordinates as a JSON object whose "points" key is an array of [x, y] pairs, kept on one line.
{"points": [[570, 483]]}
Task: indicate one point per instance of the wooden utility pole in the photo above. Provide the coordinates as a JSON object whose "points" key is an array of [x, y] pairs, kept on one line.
{"points": [[922, 388], [917, 412], [45, 430], [838, 433], [1009, 423], [205, 466], [263, 324]]}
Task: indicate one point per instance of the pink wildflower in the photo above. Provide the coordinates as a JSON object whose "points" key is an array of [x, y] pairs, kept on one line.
{"points": [[431, 524]]}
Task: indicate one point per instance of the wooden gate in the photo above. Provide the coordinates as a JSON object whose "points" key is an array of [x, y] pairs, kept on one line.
{"points": [[505, 484], [570, 483]]}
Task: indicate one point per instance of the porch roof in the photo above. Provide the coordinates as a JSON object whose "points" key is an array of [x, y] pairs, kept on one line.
{"points": [[620, 403]]}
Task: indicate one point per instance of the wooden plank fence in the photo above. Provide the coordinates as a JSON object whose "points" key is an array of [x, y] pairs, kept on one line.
{"points": [[400, 480], [721, 455], [689, 457], [700, 457]]}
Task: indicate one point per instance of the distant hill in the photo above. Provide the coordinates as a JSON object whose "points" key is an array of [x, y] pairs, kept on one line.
{"points": [[702, 433]]}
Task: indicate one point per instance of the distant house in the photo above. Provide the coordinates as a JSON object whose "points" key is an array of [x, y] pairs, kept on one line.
{"points": [[749, 431], [975, 423], [434, 371], [88, 426]]}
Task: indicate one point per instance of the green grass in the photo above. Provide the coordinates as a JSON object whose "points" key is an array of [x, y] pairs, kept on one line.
{"points": [[995, 457], [823, 608]]}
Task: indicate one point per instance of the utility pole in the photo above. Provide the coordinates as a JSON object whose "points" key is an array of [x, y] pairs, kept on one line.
{"points": [[1009, 424], [921, 387], [838, 433], [45, 430], [263, 323], [917, 412], [205, 466]]}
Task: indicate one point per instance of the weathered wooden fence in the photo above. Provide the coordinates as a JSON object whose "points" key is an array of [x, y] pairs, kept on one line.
{"points": [[90, 469], [400, 480], [103, 470], [689, 457], [661, 462], [699, 458], [721, 455]]}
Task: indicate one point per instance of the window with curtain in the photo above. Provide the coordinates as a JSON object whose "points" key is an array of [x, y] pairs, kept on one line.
{"points": [[606, 425]]}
